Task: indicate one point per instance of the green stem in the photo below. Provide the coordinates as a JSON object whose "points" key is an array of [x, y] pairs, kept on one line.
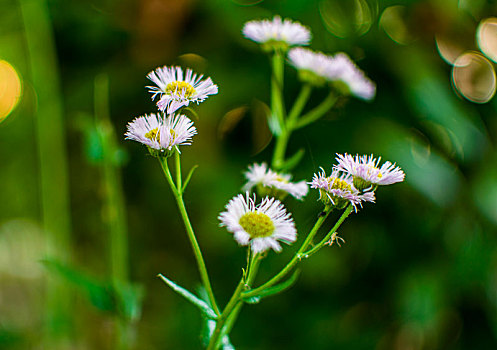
{"points": [[317, 112], [220, 322], [225, 322], [277, 104], [327, 238], [280, 149], [114, 205], [191, 235], [283, 138], [54, 184], [299, 104], [178, 171], [294, 261]]}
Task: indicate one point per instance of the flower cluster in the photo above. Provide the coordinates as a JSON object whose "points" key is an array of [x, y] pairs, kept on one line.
{"points": [[353, 180], [166, 130]]}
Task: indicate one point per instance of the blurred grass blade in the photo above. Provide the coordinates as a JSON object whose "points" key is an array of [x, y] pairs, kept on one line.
{"points": [[54, 181], [202, 305], [98, 293]]}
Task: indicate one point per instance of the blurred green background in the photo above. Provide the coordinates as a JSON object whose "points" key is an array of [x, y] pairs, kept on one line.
{"points": [[419, 269]]}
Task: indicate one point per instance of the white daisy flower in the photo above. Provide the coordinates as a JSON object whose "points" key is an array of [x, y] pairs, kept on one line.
{"points": [[277, 33], [260, 226], [161, 133], [176, 91], [272, 183], [314, 67], [348, 78], [339, 190], [366, 170]]}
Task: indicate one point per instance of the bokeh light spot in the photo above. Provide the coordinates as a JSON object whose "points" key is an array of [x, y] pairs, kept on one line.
{"points": [[344, 18], [474, 77], [486, 36], [10, 89], [393, 23], [448, 49], [193, 61]]}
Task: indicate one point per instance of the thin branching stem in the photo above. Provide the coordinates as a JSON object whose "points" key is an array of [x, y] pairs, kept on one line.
{"points": [[190, 233]]}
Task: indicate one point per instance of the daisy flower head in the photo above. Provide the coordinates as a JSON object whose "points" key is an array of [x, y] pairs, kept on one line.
{"points": [[338, 190], [259, 226], [277, 34], [271, 183], [313, 67], [349, 79], [177, 89], [367, 172], [161, 134]]}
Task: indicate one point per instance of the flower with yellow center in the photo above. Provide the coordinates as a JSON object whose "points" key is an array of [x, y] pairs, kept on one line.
{"points": [[348, 79], [177, 90], [271, 183], [260, 226], [337, 190], [161, 133], [367, 172], [277, 34]]}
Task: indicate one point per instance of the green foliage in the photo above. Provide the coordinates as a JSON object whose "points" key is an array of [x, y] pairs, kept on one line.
{"points": [[199, 303], [122, 300]]}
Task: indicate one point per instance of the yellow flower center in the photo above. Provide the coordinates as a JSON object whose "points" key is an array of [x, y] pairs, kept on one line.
{"points": [[153, 135], [182, 87], [339, 184], [257, 224]]}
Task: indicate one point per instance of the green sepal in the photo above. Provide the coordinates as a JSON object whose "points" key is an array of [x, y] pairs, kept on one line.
{"points": [[202, 305], [188, 177], [272, 290], [292, 162]]}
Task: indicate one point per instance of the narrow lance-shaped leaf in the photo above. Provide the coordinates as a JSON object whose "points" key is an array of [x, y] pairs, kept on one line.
{"points": [[202, 305]]}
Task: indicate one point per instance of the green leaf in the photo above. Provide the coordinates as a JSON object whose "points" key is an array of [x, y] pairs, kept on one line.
{"points": [[188, 177], [122, 299], [291, 162], [273, 290], [202, 305]]}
